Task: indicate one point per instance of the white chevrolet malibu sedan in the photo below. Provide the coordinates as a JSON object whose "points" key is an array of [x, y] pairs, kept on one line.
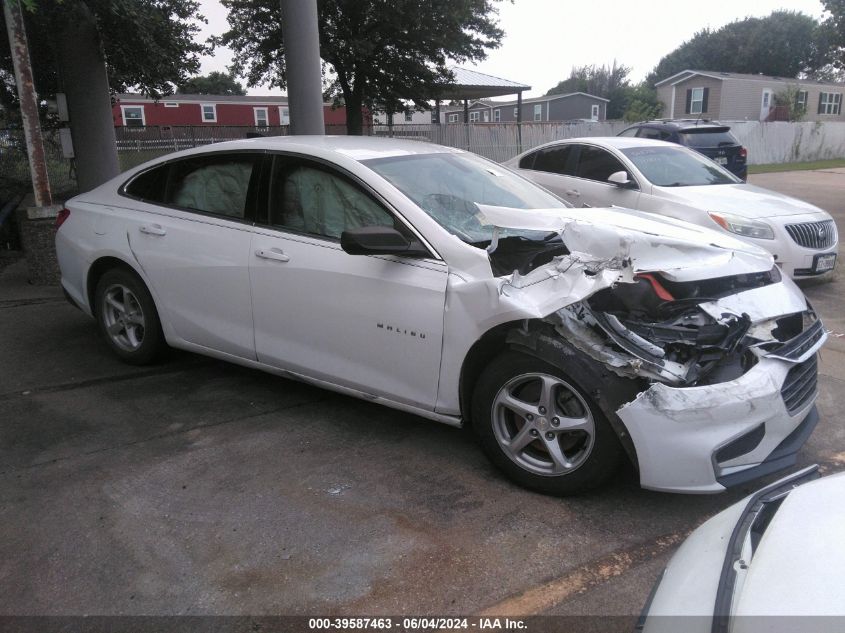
{"points": [[678, 182], [436, 282]]}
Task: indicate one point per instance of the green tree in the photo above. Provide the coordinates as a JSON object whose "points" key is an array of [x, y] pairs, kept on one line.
{"points": [[834, 31], [91, 48], [641, 103], [610, 82], [148, 45], [783, 44], [214, 83], [376, 53]]}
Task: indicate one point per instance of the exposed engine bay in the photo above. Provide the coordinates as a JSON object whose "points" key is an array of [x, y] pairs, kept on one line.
{"points": [[657, 329]]}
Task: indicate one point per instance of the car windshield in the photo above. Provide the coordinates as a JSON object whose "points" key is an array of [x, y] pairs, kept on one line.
{"points": [[700, 138], [449, 186], [678, 167]]}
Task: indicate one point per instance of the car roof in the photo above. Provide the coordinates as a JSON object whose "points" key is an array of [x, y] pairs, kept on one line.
{"points": [[355, 147], [616, 142], [683, 124]]}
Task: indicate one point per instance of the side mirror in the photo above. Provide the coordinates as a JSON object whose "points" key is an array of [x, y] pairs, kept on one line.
{"points": [[620, 178], [379, 240]]}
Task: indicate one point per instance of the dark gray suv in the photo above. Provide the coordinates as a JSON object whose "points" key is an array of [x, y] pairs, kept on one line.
{"points": [[710, 138]]}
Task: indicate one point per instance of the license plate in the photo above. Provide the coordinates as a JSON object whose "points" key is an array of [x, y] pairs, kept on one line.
{"points": [[722, 160], [823, 263]]}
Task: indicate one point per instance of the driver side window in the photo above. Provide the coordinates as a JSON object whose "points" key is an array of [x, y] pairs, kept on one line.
{"points": [[308, 198], [596, 164]]}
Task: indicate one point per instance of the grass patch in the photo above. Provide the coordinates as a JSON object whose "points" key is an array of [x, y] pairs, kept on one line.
{"points": [[815, 164]]}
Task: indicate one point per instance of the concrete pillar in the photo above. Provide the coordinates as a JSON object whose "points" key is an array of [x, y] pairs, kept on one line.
{"points": [[302, 62], [85, 82]]}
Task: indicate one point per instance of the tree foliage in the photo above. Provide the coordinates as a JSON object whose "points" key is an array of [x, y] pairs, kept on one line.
{"points": [[147, 44], [376, 53], [834, 30], [783, 44], [631, 102], [214, 83]]}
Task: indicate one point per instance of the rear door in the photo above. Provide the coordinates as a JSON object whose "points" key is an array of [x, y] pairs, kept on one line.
{"points": [[553, 168], [190, 230], [370, 323], [718, 144]]}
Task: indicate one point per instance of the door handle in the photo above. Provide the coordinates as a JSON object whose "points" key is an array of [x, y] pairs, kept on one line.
{"points": [[572, 192], [153, 229], [275, 254]]}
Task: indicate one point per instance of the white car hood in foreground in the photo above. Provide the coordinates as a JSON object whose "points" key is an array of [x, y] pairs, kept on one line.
{"points": [[798, 568], [745, 200], [795, 572], [680, 250]]}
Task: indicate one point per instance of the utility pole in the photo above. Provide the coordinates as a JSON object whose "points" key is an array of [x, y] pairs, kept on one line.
{"points": [[302, 62], [28, 101]]}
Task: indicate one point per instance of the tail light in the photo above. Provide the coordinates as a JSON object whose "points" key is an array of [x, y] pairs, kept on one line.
{"points": [[63, 215], [743, 153]]}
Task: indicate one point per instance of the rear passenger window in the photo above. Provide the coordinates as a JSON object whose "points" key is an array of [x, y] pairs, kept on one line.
{"points": [[527, 162], [554, 160], [217, 185]]}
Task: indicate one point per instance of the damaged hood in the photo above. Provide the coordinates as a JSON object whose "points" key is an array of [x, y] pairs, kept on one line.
{"points": [[647, 242]]}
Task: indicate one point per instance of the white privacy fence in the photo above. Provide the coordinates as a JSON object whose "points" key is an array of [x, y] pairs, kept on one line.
{"points": [[782, 142], [776, 142]]}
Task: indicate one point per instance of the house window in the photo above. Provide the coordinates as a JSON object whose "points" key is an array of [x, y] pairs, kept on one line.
{"points": [[171, 104], [260, 115], [516, 113], [594, 112], [696, 104], [801, 100], [497, 115], [133, 116], [538, 112], [209, 112], [453, 118], [284, 115], [830, 103], [409, 116], [474, 116]]}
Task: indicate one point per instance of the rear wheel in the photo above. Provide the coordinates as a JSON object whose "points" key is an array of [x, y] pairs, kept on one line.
{"points": [[128, 318], [540, 427]]}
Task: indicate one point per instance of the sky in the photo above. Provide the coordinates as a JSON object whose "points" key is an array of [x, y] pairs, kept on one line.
{"points": [[544, 39]]}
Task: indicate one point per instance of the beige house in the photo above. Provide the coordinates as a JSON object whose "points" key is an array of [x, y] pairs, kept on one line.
{"points": [[740, 97]]}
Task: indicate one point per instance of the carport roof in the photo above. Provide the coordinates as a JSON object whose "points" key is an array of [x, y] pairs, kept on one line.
{"points": [[471, 84]]}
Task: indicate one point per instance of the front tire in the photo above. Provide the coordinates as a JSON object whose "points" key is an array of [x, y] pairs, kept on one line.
{"points": [[539, 426], [127, 317]]}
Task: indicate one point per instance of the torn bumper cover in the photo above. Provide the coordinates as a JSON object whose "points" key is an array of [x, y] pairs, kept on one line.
{"points": [[720, 412]]}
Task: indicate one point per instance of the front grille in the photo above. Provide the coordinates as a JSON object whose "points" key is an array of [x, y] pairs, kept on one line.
{"points": [[800, 385], [818, 235]]}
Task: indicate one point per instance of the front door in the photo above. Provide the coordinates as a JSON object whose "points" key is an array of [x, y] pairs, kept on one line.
{"points": [[370, 323]]}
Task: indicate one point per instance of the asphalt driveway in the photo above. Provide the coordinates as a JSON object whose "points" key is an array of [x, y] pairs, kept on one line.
{"points": [[197, 487]]}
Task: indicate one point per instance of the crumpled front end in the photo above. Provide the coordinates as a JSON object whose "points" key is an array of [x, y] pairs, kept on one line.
{"points": [[731, 368]]}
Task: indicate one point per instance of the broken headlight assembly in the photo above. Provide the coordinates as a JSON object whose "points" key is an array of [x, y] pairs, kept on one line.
{"points": [[743, 226]]}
